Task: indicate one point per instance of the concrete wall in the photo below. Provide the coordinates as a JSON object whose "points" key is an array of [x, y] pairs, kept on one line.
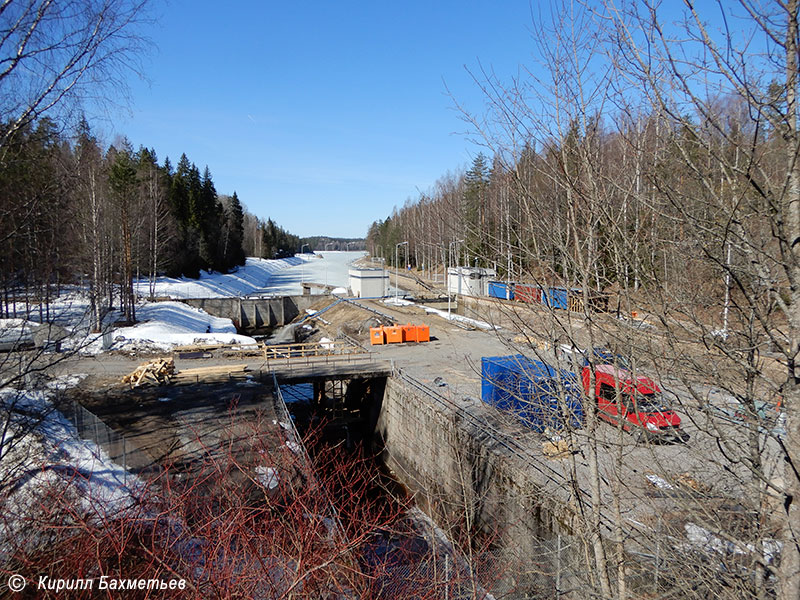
{"points": [[466, 476], [255, 313]]}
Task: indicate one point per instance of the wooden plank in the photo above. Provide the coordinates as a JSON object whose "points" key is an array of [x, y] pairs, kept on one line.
{"points": [[222, 369]]}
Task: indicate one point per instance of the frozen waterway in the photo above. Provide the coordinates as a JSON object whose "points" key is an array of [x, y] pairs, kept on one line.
{"points": [[328, 268]]}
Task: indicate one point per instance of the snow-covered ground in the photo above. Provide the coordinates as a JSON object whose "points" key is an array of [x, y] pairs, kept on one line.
{"points": [[328, 268], [257, 274], [42, 448], [280, 277], [450, 316], [163, 325]]}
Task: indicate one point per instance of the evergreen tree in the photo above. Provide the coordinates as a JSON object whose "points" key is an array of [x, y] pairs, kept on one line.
{"points": [[234, 221], [179, 191], [476, 183]]}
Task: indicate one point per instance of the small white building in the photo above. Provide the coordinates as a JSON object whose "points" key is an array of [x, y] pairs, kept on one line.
{"points": [[369, 283], [469, 281]]}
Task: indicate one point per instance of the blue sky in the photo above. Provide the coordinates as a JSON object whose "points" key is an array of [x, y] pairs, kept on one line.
{"points": [[324, 115], [321, 115]]}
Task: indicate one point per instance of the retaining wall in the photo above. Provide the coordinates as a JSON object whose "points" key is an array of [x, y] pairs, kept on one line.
{"points": [[255, 313], [464, 476]]}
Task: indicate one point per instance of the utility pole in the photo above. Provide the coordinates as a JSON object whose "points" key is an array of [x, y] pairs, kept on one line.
{"points": [[302, 267], [396, 272], [447, 275]]}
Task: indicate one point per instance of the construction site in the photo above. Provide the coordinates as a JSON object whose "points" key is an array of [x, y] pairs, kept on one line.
{"points": [[403, 381]]}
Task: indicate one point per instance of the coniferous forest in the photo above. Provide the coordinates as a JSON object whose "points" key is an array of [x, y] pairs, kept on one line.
{"points": [[103, 216]]}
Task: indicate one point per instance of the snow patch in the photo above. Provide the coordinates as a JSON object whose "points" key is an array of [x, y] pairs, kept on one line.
{"points": [[268, 477], [46, 450], [253, 276], [166, 324], [466, 320], [398, 302]]}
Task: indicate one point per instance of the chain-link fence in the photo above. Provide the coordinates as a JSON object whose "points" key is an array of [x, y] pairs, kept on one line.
{"points": [[440, 571], [120, 450]]}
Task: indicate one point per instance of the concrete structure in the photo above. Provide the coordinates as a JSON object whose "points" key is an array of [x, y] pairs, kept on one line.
{"points": [[442, 453], [469, 281], [369, 283], [255, 314]]}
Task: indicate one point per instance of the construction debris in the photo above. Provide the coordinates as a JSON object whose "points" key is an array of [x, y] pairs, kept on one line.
{"points": [[157, 371], [687, 482], [557, 449]]}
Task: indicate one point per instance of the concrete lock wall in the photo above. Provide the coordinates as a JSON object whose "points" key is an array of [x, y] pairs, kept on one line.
{"points": [[466, 476], [255, 313]]}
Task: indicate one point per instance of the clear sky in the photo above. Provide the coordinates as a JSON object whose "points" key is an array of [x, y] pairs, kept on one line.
{"points": [[323, 115]]}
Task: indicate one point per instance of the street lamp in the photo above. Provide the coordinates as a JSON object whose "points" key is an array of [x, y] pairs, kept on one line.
{"points": [[447, 276], [396, 272], [303, 267]]}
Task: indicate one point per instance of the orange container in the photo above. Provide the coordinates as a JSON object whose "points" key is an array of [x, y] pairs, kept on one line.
{"points": [[376, 336], [394, 334], [409, 333], [423, 333]]}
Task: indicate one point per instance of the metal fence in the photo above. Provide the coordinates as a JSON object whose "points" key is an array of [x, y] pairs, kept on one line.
{"points": [[443, 572], [120, 450]]}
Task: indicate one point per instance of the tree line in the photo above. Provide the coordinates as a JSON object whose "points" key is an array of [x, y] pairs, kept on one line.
{"points": [[78, 213], [324, 242], [266, 239]]}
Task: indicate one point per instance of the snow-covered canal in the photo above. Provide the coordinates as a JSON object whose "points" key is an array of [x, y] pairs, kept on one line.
{"points": [[332, 269]]}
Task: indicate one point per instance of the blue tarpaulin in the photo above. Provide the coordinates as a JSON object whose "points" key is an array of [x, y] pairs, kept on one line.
{"points": [[539, 395]]}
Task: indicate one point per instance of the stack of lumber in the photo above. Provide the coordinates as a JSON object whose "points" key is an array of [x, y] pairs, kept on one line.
{"points": [[208, 373], [157, 371]]}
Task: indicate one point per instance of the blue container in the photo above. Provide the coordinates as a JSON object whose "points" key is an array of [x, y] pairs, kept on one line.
{"points": [[500, 289], [556, 298], [539, 395]]}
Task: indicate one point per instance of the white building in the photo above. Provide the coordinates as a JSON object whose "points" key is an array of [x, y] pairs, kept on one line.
{"points": [[369, 283], [469, 281]]}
